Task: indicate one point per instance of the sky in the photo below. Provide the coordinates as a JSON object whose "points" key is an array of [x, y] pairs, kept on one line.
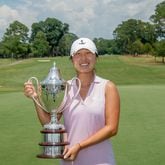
{"points": [[86, 18]]}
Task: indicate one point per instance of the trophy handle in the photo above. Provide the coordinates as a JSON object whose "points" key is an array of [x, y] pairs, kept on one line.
{"points": [[64, 103], [39, 103]]}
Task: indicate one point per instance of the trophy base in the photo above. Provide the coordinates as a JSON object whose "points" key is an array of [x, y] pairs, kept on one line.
{"points": [[53, 144], [43, 156], [52, 150]]}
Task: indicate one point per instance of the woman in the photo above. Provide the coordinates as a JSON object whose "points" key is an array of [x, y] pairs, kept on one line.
{"points": [[93, 117]]}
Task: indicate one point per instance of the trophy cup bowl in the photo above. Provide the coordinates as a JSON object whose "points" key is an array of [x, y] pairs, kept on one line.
{"points": [[52, 92]]}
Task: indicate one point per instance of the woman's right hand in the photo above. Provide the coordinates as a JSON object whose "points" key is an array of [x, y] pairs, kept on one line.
{"points": [[29, 90]]}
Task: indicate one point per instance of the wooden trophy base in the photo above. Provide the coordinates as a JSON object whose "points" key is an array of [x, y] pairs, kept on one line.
{"points": [[49, 157], [53, 145]]}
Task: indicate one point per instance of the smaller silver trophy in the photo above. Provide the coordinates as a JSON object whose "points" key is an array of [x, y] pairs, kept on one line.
{"points": [[52, 93]]}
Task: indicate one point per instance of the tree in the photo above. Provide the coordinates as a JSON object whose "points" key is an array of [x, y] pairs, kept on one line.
{"points": [[40, 46], [54, 31], [137, 47], [148, 48], [147, 33], [159, 20], [132, 30], [160, 49], [65, 43], [101, 45], [15, 40], [17, 29], [105, 46]]}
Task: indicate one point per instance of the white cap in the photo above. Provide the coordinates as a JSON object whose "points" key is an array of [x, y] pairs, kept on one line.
{"points": [[83, 43]]}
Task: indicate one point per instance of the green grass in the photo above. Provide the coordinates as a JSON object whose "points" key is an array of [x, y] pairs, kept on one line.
{"points": [[141, 84], [121, 70], [129, 70], [141, 133], [20, 131]]}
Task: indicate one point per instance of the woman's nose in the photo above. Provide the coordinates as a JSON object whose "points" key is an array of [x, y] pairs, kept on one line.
{"points": [[83, 56]]}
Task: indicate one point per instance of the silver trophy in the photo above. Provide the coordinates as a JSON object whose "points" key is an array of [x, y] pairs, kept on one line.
{"points": [[52, 93]]}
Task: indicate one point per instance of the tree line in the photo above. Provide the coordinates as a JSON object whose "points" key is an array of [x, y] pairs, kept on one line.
{"points": [[52, 37]]}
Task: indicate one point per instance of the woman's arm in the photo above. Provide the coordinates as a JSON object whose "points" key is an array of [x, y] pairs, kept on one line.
{"points": [[112, 111]]}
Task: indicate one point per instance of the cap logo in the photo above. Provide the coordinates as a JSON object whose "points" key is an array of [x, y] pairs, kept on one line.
{"points": [[82, 42]]}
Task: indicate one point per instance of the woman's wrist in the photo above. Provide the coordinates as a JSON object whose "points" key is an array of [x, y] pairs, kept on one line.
{"points": [[79, 145]]}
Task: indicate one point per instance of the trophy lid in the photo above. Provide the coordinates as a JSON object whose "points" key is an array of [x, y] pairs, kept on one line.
{"points": [[53, 77]]}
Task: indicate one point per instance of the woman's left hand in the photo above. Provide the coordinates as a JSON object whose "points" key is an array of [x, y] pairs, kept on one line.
{"points": [[71, 153]]}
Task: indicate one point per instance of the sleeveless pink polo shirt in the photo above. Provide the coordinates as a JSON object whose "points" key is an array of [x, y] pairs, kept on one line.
{"points": [[82, 119]]}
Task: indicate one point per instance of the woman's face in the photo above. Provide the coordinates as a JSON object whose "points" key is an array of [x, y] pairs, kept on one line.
{"points": [[84, 61]]}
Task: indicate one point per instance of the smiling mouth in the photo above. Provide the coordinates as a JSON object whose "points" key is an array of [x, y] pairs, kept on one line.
{"points": [[85, 64]]}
